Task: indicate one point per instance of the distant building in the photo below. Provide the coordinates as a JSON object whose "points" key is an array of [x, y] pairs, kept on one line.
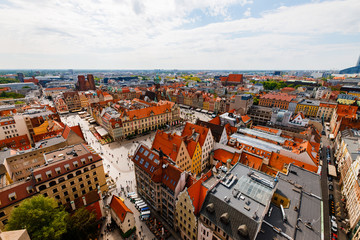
{"points": [[85, 84], [352, 70], [20, 77], [232, 79], [260, 115], [278, 100], [241, 103], [308, 107]]}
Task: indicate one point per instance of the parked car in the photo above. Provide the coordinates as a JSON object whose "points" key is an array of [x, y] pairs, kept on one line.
{"points": [[330, 178], [331, 197], [333, 224], [334, 236], [331, 187]]}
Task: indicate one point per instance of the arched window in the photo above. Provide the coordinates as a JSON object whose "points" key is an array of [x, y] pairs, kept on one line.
{"points": [[70, 176], [78, 172], [42, 187], [93, 166], [86, 169], [52, 183], [62, 179]]}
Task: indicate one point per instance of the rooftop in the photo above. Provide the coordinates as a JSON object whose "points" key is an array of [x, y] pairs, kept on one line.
{"points": [[240, 201], [66, 153], [262, 134]]}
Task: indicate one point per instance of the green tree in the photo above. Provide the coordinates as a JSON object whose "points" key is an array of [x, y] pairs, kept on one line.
{"points": [[41, 217], [256, 101], [81, 225]]}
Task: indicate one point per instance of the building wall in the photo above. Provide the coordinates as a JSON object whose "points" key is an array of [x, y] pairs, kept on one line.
{"points": [[308, 110], [19, 166], [127, 224], [183, 159], [74, 184], [186, 221], [196, 160], [206, 149]]}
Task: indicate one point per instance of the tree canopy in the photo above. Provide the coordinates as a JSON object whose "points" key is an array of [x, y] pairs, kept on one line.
{"points": [[81, 225], [41, 217]]}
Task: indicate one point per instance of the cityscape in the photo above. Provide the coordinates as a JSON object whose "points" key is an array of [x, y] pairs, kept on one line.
{"points": [[180, 120]]}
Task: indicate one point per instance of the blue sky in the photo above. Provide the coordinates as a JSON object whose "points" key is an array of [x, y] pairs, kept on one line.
{"points": [[181, 34]]}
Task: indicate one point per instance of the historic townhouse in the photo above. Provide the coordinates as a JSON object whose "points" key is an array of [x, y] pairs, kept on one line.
{"points": [[158, 181]]}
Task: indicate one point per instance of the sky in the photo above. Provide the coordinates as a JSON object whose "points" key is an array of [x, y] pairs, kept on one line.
{"points": [[179, 34]]}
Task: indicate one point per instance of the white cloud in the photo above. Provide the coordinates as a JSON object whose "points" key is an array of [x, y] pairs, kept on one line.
{"points": [[148, 34], [247, 12]]}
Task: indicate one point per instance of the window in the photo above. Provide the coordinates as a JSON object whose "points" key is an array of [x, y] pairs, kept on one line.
{"points": [[82, 185], [66, 193], [89, 182], [72, 183], [2, 214], [87, 176], [94, 173], [63, 186], [74, 189], [83, 192], [55, 190], [57, 197], [80, 179]]}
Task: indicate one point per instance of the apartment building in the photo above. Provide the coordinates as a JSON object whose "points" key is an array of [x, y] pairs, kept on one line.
{"points": [[159, 182], [326, 110], [19, 164], [13, 126], [174, 147], [70, 173], [260, 115], [72, 101], [188, 206], [204, 137], [60, 105], [278, 100], [149, 118], [308, 107]]}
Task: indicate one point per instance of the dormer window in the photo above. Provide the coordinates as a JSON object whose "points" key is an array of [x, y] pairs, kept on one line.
{"points": [[38, 178], [48, 174], [76, 164], [90, 158], [67, 167], [29, 189], [12, 196], [58, 170], [83, 161]]}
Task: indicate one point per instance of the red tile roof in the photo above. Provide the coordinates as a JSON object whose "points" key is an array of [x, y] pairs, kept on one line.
{"points": [[245, 118], [216, 120], [279, 96], [168, 143], [119, 208], [77, 129], [202, 131], [191, 147], [197, 192], [146, 112], [238, 78]]}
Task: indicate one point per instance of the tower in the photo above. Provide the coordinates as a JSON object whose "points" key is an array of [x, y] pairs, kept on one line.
{"points": [[91, 81]]}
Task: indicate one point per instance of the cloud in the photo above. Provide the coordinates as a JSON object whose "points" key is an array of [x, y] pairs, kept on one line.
{"points": [[247, 12], [149, 34]]}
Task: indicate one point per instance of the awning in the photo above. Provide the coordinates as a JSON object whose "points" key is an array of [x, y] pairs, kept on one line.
{"points": [[102, 132], [332, 170], [204, 111], [198, 109]]}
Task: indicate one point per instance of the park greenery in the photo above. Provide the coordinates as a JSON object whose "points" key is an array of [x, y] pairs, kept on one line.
{"points": [[11, 95], [8, 80], [44, 219]]}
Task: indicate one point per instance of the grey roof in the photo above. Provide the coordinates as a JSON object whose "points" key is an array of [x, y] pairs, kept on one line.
{"points": [[262, 134], [309, 208], [216, 130], [247, 200], [37, 113], [270, 147]]}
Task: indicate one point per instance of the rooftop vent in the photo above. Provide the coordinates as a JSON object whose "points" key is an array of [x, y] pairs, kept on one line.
{"points": [[225, 218], [210, 208], [226, 199]]}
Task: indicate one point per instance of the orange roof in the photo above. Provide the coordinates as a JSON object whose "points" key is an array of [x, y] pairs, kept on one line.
{"points": [[245, 118], [77, 129], [266, 129], [146, 112], [119, 208], [251, 160], [278, 96], [346, 111], [191, 146], [328, 105], [233, 78], [202, 131], [223, 156], [168, 143], [216, 120], [197, 192], [55, 88]]}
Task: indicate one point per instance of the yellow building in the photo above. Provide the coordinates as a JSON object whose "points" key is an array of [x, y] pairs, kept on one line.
{"points": [[195, 153], [206, 105], [308, 107]]}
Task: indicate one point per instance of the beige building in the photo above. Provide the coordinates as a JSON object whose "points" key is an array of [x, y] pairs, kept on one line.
{"points": [[19, 164], [326, 110], [122, 215], [15, 235], [70, 173], [13, 126]]}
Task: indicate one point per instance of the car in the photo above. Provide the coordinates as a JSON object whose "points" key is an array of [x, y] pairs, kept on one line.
{"points": [[323, 133], [331, 197], [331, 187], [330, 178], [334, 236], [333, 224]]}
